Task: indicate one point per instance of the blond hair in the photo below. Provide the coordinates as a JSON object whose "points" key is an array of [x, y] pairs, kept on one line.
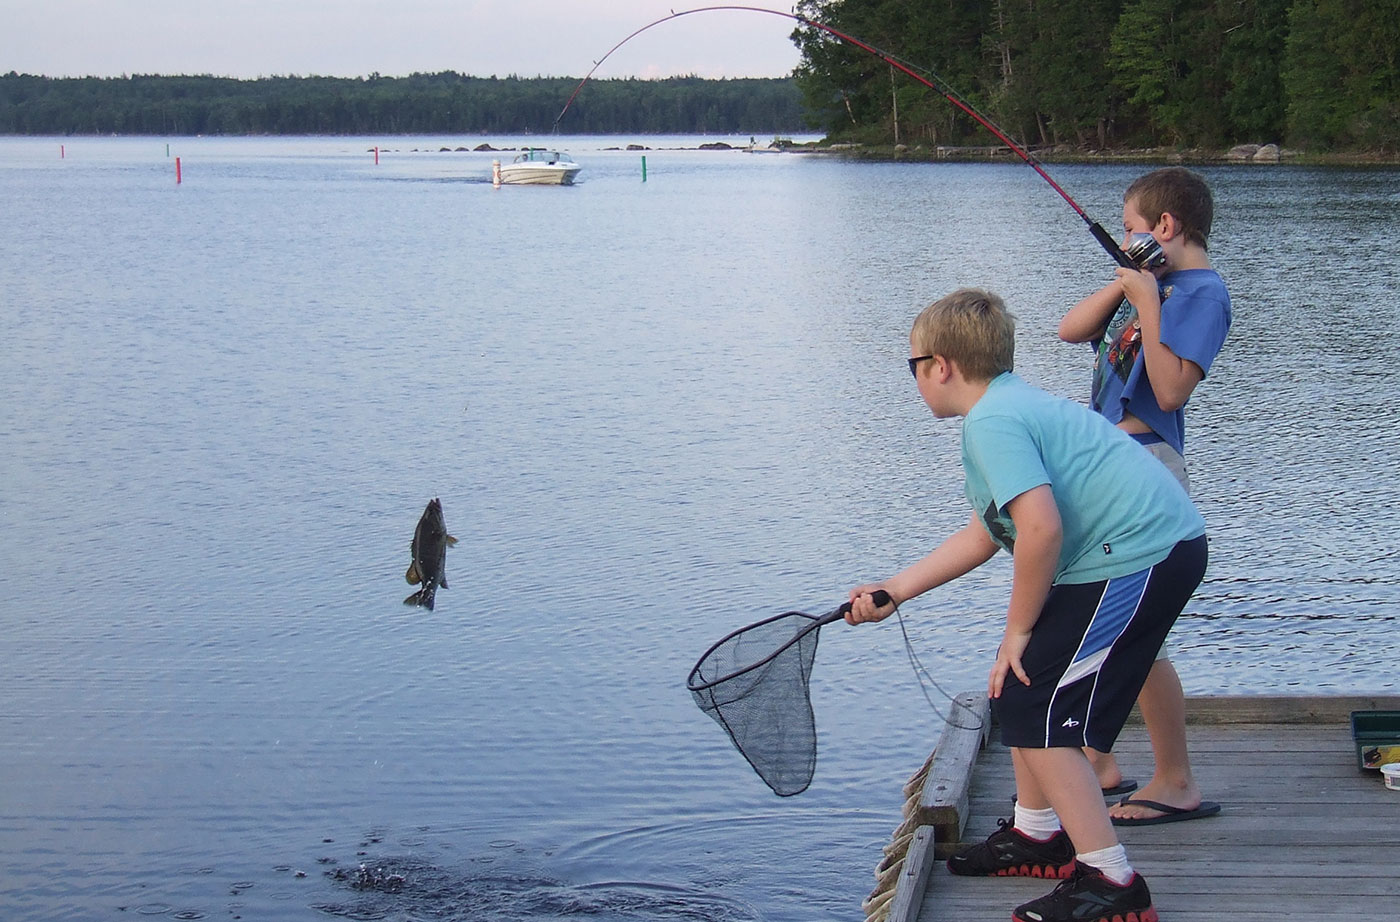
{"points": [[972, 329]]}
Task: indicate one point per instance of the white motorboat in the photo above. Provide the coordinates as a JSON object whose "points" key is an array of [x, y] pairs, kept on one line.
{"points": [[538, 166]]}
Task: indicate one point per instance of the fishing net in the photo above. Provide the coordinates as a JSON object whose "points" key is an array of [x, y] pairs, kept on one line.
{"points": [[755, 682]]}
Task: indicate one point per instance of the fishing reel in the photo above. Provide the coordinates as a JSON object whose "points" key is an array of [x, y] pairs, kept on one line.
{"points": [[1145, 251]]}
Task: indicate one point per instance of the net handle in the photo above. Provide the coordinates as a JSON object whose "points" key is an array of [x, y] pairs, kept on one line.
{"points": [[880, 597]]}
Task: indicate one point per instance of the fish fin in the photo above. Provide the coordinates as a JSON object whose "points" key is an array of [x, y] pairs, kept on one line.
{"points": [[423, 597], [451, 540], [412, 575]]}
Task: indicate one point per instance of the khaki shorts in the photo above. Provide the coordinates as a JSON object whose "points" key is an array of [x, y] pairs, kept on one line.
{"points": [[1174, 462], [1177, 465]]}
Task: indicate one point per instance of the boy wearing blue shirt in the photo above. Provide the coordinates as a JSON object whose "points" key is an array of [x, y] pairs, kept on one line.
{"points": [[1106, 550], [1155, 335]]}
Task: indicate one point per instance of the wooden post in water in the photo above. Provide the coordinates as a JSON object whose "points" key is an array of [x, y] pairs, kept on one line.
{"points": [[376, 155], [894, 99], [61, 152]]}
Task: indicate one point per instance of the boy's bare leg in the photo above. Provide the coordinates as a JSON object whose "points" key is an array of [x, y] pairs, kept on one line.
{"points": [[1062, 778], [1105, 768], [1163, 705]]}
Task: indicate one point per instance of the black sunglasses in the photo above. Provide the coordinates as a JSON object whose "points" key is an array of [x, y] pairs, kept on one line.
{"points": [[914, 363]]}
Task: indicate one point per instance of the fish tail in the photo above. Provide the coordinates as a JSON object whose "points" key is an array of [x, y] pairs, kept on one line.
{"points": [[424, 597]]}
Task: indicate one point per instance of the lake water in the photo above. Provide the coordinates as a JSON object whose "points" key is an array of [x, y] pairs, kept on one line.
{"points": [[654, 411]]}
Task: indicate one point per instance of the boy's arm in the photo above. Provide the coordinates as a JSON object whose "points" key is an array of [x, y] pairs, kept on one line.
{"points": [[1173, 378], [1039, 536], [961, 552], [1086, 321]]}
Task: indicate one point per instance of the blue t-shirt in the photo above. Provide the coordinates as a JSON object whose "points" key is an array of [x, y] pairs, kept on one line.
{"points": [[1195, 319], [1121, 510]]}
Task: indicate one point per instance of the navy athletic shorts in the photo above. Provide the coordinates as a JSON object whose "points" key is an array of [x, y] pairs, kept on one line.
{"points": [[1090, 653]]}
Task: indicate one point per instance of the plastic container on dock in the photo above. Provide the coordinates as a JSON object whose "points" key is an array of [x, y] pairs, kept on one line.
{"points": [[1377, 736]]}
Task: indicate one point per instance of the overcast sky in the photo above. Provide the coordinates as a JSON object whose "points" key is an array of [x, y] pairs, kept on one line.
{"points": [[354, 38]]}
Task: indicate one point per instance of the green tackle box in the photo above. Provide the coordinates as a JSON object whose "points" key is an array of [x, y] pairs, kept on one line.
{"points": [[1377, 736]]}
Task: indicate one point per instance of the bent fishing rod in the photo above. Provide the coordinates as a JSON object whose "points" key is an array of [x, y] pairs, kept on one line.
{"points": [[922, 75]]}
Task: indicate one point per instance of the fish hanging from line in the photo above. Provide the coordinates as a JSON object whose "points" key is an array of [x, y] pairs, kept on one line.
{"points": [[429, 547]]}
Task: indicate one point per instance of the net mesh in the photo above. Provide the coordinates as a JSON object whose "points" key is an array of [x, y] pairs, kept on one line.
{"points": [[754, 683]]}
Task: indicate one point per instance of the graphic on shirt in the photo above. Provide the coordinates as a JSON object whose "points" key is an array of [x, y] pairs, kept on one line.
{"points": [[1120, 347], [999, 527]]}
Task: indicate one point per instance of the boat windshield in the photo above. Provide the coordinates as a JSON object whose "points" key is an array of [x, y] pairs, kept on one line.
{"points": [[536, 155]]}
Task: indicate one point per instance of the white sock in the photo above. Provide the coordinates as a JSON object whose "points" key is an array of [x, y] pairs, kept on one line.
{"points": [[1037, 824], [1111, 862]]}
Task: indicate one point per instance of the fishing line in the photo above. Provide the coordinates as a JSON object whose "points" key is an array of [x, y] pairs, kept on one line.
{"points": [[921, 74], [921, 673]]}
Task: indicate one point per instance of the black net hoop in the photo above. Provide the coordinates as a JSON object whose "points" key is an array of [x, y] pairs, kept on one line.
{"points": [[755, 684]]}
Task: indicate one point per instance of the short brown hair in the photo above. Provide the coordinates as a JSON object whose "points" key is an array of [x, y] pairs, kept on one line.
{"points": [[1179, 192], [970, 327]]}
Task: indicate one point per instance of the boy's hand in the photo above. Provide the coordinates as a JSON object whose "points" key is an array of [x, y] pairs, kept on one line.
{"points": [[1139, 287], [863, 607], [1013, 644]]}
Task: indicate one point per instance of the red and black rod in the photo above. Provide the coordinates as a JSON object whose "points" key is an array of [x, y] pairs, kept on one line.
{"points": [[931, 81]]}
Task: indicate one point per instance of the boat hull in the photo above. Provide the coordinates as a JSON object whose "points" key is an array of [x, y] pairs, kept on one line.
{"points": [[534, 175]]}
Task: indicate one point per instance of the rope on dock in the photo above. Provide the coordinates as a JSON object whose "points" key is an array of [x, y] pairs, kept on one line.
{"points": [[876, 906], [933, 815]]}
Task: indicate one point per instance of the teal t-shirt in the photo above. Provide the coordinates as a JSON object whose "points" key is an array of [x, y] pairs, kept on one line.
{"points": [[1121, 510]]}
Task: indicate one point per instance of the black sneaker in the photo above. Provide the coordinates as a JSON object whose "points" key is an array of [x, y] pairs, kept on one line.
{"points": [[1008, 853], [1088, 896]]}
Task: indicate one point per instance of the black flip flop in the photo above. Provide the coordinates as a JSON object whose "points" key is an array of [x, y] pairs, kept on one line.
{"points": [[1169, 813]]}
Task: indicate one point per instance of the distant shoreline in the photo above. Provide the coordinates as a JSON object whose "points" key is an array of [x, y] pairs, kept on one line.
{"points": [[1250, 155], [1245, 155]]}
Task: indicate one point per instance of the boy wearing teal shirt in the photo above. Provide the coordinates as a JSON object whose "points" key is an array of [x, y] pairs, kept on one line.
{"points": [[1114, 518], [1106, 550]]}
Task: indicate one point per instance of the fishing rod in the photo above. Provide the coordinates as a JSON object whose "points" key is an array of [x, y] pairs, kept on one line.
{"points": [[932, 81]]}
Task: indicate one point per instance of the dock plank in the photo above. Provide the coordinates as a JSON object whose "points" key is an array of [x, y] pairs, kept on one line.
{"points": [[1302, 826]]}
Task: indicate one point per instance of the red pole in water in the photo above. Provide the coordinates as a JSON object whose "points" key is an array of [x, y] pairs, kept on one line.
{"points": [[61, 153], [177, 171], [376, 155]]}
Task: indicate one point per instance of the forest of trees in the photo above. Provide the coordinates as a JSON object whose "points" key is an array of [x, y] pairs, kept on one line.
{"points": [[1312, 74], [443, 103], [1319, 75]]}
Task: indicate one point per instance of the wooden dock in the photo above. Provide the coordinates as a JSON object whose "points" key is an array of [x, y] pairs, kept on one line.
{"points": [[1303, 831]]}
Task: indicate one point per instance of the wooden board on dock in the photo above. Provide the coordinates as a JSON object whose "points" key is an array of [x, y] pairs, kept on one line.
{"points": [[1303, 831]]}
